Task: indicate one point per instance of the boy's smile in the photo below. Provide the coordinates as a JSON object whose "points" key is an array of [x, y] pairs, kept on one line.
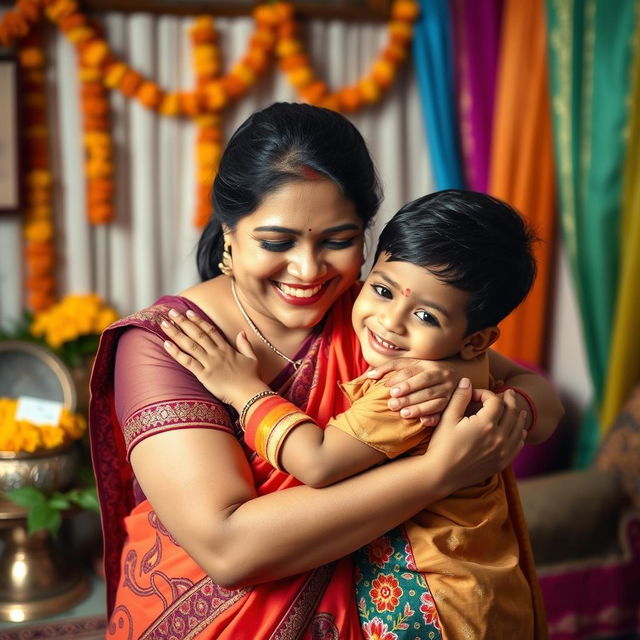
{"points": [[404, 310]]}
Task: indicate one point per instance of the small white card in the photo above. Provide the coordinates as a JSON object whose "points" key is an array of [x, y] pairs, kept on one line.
{"points": [[38, 411]]}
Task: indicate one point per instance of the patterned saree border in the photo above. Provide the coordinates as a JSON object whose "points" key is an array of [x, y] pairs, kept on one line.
{"points": [[188, 615], [299, 615]]}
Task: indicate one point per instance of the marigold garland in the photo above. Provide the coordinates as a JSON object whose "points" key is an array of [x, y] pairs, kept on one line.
{"points": [[22, 435], [275, 28], [38, 230]]}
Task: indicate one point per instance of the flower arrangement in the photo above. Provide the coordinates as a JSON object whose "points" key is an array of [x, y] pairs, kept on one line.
{"points": [[22, 435], [72, 327]]}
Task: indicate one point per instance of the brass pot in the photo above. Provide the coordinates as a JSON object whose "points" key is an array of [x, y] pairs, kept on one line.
{"points": [[37, 577], [47, 469]]}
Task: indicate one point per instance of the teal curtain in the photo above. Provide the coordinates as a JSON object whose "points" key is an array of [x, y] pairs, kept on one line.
{"points": [[591, 46], [433, 56]]}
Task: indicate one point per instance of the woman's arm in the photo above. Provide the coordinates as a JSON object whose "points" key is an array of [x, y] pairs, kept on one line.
{"points": [[544, 397], [201, 486]]}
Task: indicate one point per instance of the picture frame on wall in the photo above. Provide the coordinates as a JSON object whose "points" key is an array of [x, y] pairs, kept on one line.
{"points": [[9, 147]]}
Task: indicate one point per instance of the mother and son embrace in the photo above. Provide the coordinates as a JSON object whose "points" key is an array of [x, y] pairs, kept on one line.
{"points": [[239, 430]]}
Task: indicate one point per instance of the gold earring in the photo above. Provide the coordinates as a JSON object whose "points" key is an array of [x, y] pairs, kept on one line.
{"points": [[225, 266]]}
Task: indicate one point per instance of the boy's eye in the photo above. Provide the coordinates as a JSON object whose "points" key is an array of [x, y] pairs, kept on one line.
{"points": [[427, 318], [279, 245], [382, 291]]}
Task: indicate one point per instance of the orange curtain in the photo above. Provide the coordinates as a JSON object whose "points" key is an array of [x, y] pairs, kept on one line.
{"points": [[522, 168]]}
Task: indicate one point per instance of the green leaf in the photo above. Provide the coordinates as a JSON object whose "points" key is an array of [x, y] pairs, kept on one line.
{"points": [[59, 501], [27, 497], [85, 475], [87, 499], [43, 516]]}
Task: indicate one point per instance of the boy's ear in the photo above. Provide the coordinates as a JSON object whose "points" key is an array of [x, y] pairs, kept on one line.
{"points": [[477, 343]]}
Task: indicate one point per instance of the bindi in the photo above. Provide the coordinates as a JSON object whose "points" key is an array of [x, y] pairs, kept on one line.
{"points": [[310, 174], [407, 292]]}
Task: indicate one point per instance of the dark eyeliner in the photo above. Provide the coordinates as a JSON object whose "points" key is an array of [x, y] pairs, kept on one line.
{"points": [[283, 245]]}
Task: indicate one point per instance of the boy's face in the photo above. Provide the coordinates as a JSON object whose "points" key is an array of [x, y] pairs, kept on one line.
{"points": [[404, 311]]}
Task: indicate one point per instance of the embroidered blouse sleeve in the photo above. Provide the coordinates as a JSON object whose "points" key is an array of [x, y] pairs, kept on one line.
{"points": [[153, 393]]}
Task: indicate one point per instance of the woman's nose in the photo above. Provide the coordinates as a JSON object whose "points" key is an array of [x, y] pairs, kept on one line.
{"points": [[307, 265]]}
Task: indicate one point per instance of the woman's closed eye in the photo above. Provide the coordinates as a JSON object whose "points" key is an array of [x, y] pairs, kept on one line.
{"points": [[427, 318], [276, 245]]}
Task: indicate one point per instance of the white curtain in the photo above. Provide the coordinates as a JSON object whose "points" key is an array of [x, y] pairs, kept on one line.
{"points": [[150, 249]]}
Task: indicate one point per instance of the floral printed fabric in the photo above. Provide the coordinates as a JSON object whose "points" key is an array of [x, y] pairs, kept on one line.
{"points": [[394, 601]]}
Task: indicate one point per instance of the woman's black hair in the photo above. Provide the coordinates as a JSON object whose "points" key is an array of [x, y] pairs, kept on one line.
{"points": [[281, 144], [471, 241]]}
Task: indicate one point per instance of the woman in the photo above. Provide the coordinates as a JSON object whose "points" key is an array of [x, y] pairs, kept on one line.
{"points": [[231, 547]]}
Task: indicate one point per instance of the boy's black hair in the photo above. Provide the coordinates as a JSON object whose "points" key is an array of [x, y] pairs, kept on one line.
{"points": [[471, 241]]}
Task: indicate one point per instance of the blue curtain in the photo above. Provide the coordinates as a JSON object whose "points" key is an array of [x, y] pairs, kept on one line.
{"points": [[433, 55]]}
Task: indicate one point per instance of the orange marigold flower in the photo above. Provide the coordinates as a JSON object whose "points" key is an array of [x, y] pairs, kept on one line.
{"points": [[266, 14], [234, 85], [407, 10], [301, 77], [294, 61], [262, 39], [350, 98], [39, 231], [189, 102], [256, 59], [288, 46], [16, 24], [400, 32], [114, 74], [208, 153], [41, 212], [383, 73], [170, 105], [314, 92], [71, 21], [31, 57], [369, 90], [95, 107], [330, 102], [287, 29], [98, 168], [100, 214], [29, 8], [214, 95], [150, 95], [395, 53], [59, 9], [79, 34], [38, 250], [39, 178], [95, 53], [90, 76], [130, 83], [285, 10]]}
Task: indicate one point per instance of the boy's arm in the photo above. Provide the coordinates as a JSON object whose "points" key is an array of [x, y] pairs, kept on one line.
{"points": [[319, 458]]}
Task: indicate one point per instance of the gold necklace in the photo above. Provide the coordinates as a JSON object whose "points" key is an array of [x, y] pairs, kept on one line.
{"points": [[296, 363]]}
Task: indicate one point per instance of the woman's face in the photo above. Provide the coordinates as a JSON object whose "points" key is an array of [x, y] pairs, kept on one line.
{"points": [[296, 253]]}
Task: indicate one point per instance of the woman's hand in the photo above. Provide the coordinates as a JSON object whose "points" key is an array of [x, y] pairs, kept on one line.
{"points": [[472, 448], [229, 374], [422, 388]]}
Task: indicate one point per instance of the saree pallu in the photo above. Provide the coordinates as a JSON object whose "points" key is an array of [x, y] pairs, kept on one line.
{"points": [[154, 589]]}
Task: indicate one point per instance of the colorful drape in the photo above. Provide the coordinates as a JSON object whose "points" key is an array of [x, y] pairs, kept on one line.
{"points": [[433, 54], [477, 39], [624, 362], [590, 49], [522, 164]]}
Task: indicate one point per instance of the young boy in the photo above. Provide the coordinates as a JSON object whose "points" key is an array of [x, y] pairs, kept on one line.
{"points": [[448, 268]]}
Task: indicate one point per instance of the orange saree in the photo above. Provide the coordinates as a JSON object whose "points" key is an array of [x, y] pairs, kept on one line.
{"points": [[154, 589]]}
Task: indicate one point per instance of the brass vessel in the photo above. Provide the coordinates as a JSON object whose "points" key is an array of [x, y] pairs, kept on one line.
{"points": [[36, 579]]}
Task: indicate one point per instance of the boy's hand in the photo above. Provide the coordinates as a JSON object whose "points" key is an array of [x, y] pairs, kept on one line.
{"points": [[229, 374]]}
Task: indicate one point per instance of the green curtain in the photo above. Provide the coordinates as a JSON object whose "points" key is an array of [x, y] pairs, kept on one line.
{"points": [[591, 46]]}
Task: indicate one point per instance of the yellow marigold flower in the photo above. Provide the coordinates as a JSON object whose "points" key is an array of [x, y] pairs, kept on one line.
{"points": [[243, 72], [288, 47], [39, 178], [301, 77], [95, 53], [52, 436], [170, 105], [38, 231], [114, 74], [79, 34], [369, 89], [61, 9], [105, 318]]}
